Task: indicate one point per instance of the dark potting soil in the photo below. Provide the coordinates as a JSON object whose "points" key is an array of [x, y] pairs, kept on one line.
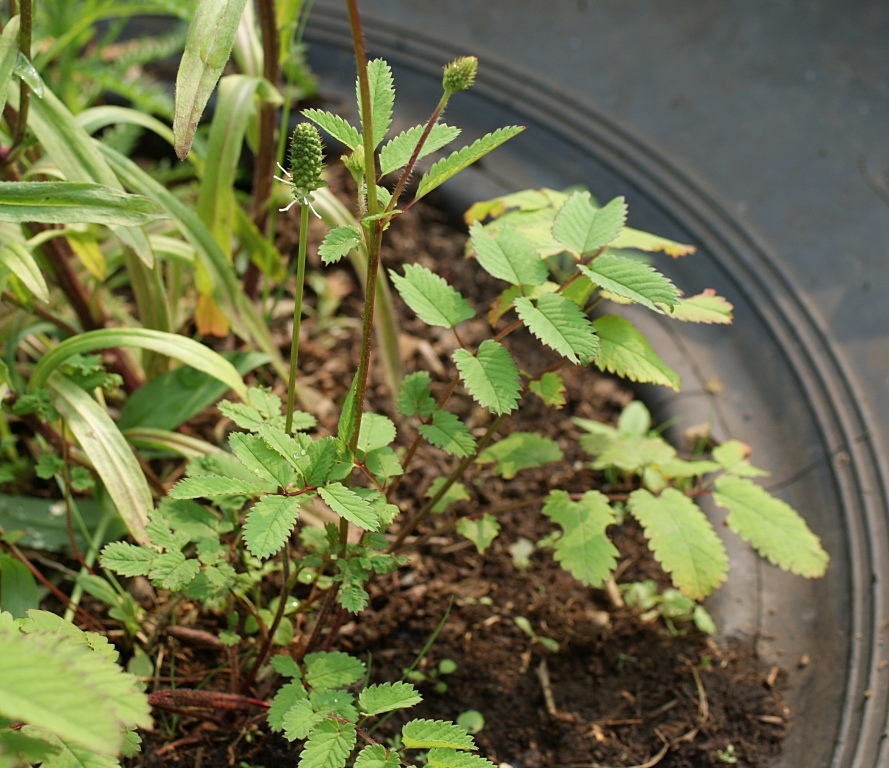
{"points": [[596, 685]]}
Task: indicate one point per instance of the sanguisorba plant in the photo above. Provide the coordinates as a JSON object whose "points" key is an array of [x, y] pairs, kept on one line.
{"points": [[239, 521]]}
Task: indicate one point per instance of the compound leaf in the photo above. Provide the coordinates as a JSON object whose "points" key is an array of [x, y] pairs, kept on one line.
{"points": [[682, 539], [349, 505], [430, 296], [444, 169], [584, 550], [631, 279], [560, 324], [518, 451], [269, 523], [509, 255], [397, 153], [448, 433], [429, 734], [490, 376], [772, 527], [342, 131], [584, 228], [329, 745], [626, 352], [338, 242], [386, 697]]}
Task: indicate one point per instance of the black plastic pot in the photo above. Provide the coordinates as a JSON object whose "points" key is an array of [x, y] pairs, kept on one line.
{"points": [[783, 386]]}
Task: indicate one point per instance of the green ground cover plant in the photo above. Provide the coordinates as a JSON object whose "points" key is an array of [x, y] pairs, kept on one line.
{"points": [[125, 287]]}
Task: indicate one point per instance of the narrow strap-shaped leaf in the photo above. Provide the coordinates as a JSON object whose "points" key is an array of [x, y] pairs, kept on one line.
{"points": [[9, 51], [207, 48], [626, 352], [631, 279], [430, 296], [108, 451], [397, 153], [382, 98], [771, 526], [508, 256], [444, 169], [490, 376], [682, 539], [583, 549], [583, 228], [74, 202], [559, 323], [269, 524], [18, 259]]}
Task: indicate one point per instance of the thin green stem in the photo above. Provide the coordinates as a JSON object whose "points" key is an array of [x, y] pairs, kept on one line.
{"points": [[25, 92], [297, 313]]}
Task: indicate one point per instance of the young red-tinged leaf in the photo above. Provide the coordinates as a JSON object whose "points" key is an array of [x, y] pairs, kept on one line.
{"points": [[682, 540], [508, 255], [269, 524], [584, 549], [626, 352], [448, 433], [631, 279], [430, 297], [706, 307], [561, 325], [490, 376], [518, 451], [550, 388], [480, 532], [583, 228], [771, 526]]}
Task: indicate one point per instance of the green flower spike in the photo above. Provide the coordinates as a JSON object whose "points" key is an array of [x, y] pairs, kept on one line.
{"points": [[306, 164], [459, 74]]}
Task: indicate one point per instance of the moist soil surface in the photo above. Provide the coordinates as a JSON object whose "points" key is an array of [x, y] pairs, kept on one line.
{"points": [[594, 684]]}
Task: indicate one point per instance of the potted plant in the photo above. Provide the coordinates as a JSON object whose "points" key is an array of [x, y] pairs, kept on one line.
{"points": [[230, 536]]}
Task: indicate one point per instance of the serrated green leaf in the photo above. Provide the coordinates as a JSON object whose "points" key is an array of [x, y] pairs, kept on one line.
{"points": [[443, 170], [455, 492], [285, 665], [626, 352], [397, 153], [329, 745], [631, 279], [377, 431], [518, 451], [583, 228], [293, 449], [349, 505], [480, 532], [298, 721], [430, 296], [560, 324], [491, 376], [377, 756], [382, 99], [172, 571], [269, 524], [448, 433], [415, 397], [451, 758], [732, 456], [259, 458], [431, 734], [386, 697], [383, 464], [706, 307], [353, 597], [338, 242], [550, 388], [583, 549], [342, 131], [326, 670], [508, 255], [287, 696], [632, 454], [128, 560], [211, 486], [644, 241], [682, 540], [771, 526]]}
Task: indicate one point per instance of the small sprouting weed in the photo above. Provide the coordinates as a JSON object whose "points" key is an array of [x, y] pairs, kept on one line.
{"points": [[459, 74], [306, 164], [728, 755]]}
